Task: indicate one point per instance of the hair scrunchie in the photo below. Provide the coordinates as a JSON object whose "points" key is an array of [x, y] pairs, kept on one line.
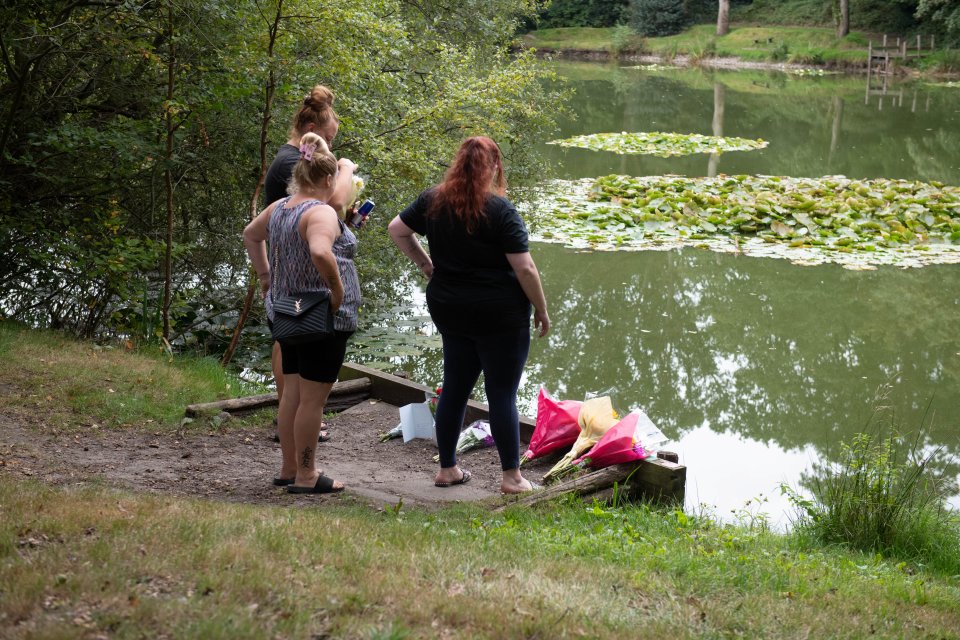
{"points": [[306, 151]]}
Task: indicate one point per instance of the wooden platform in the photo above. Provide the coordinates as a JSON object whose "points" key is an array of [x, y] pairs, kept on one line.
{"points": [[655, 480]]}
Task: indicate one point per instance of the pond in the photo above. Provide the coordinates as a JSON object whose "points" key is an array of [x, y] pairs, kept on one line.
{"points": [[755, 367]]}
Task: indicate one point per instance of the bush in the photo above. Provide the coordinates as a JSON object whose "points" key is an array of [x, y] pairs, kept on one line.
{"points": [[780, 53], [656, 18], [622, 39], [883, 496], [582, 13]]}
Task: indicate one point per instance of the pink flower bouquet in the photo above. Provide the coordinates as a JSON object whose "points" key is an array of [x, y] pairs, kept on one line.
{"points": [[556, 428]]}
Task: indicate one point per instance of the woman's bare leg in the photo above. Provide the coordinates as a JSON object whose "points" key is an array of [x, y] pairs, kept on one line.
{"points": [[285, 425], [306, 430]]}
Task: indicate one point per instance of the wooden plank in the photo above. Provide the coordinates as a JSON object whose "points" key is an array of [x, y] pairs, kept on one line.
{"points": [[654, 480], [400, 391], [352, 391]]}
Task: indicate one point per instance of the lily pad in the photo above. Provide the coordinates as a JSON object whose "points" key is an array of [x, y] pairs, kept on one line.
{"points": [[856, 223], [656, 143]]}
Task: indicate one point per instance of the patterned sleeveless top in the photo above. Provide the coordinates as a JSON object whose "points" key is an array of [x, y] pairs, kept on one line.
{"points": [[295, 272]]}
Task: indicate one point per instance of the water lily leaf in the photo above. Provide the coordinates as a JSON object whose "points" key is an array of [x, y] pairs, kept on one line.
{"points": [[781, 229], [807, 220], [657, 143]]}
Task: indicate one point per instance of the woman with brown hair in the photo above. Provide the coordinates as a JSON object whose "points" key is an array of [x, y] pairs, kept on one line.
{"points": [[311, 250], [315, 115], [482, 284]]}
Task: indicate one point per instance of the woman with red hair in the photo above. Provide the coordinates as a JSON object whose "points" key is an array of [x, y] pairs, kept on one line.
{"points": [[482, 284]]}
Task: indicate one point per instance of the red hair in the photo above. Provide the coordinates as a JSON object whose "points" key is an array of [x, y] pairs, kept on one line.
{"points": [[476, 173]]}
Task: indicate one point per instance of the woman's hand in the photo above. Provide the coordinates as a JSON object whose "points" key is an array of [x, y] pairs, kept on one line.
{"points": [[336, 298], [264, 284], [541, 321], [426, 268]]}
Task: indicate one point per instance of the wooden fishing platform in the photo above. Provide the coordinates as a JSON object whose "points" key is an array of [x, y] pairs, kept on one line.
{"points": [[879, 56], [367, 393]]}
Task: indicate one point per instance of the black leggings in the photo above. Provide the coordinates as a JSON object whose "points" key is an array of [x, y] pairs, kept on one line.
{"points": [[501, 358]]}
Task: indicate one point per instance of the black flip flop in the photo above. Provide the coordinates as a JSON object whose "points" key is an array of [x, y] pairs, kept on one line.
{"points": [[324, 485], [464, 479], [324, 437], [283, 482]]}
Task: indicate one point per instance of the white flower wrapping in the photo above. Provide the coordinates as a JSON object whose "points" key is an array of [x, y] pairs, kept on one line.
{"points": [[476, 436]]}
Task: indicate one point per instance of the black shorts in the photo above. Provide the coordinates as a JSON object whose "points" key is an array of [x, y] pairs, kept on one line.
{"points": [[318, 361]]}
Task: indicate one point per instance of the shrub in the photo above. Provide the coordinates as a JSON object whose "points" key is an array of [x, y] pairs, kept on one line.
{"points": [[622, 39], [883, 496], [780, 53], [657, 18]]}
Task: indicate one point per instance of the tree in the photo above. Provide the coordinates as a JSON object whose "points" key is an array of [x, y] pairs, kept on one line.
{"points": [[107, 160], [723, 18], [657, 17], [943, 12], [843, 26]]}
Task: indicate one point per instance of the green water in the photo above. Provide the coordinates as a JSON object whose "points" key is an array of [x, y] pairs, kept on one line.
{"points": [[756, 368]]}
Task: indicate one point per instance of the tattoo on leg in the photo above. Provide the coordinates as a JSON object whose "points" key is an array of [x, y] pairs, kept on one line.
{"points": [[307, 453]]}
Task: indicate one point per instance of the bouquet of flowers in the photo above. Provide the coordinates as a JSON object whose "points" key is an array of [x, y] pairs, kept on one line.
{"points": [[596, 418], [432, 398], [396, 432], [556, 427], [633, 438], [476, 436]]}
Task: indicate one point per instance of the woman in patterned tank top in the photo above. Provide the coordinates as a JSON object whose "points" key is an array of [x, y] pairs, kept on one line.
{"points": [[313, 250]]}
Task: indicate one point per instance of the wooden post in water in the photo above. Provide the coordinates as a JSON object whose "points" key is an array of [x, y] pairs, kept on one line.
{"points": [[884, 41], [869, 61], [918, 44]]}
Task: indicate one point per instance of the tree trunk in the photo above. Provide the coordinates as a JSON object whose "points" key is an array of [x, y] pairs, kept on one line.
{"points": [[274, 30], [844, 27], [723, 18], [168, 175]]}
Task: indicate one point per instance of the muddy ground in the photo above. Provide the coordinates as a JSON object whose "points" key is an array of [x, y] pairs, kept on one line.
{"points": [[236, 461]]}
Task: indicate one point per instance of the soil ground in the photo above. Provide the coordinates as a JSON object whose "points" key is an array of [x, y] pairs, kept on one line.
{"points": [[236, 463]]}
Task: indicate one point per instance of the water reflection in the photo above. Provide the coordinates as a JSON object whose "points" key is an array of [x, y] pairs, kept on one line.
{"points": [[756, 348], [757, 368], [815, 126]]}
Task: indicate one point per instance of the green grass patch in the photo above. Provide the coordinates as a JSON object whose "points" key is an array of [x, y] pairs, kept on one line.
{"points": [[581, 39], [803, 45], [69, 383], [92, 561], [883, 496]]}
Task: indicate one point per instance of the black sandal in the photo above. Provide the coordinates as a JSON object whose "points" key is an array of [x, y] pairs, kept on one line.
{"points": [[324, 485], [463, 479]]}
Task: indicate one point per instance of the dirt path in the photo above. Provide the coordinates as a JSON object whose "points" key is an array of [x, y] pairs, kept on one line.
{"points": [[237, 463]]}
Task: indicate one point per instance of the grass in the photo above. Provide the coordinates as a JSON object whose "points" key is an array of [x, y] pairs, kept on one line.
{"points": [[92, 560], [86, 560], [883, 496], [803, 45], [74, 384]]}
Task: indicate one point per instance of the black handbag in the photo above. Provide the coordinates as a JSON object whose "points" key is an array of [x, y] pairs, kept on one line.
{"points": [[300, 317]]}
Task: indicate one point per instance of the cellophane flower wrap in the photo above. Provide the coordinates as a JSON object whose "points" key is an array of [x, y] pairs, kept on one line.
{"points": [[476, 436], [624, 442], [596, 418], [556, 426]]}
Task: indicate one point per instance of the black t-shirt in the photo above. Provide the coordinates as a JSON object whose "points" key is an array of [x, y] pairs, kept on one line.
{"points": [[279, 173], [473, 289]]}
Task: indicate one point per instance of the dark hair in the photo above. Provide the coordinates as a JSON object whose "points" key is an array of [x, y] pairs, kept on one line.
{"points": [[316, 163], [317, 109], [476, 173]]}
